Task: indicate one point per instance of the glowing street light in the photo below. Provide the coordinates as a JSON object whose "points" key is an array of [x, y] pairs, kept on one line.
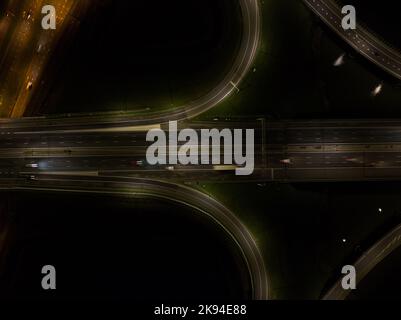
{"points": [[377, 90], [340, 61]]}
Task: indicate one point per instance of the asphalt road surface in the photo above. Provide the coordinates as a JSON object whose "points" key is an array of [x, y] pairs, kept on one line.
{"points": [[250, 38], [285, 151], [368, 261], [362, 40], [26, 49]]}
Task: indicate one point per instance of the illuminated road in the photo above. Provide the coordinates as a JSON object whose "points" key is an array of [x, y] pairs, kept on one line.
{"points": [[354, 150], [288, 151], [368, 261], [203, 203], [243, 62], [44, 44], [100, 160], [316, 150], [163, 190], [362, 40]]}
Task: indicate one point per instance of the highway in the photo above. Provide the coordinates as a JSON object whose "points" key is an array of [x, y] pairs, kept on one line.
{"points": [[250, 38], [26, 50], [20, 81], [105, 153], [113, 161], [286, 151], [362, 40], [191, 197], [43, 50], [368, 261], [357, 150]]}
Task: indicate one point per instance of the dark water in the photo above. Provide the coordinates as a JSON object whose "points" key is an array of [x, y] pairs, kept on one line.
{"points": [[117, 249]]}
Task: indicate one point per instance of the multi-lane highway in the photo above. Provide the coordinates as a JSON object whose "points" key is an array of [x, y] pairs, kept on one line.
{"points": [[44, 44], [113, 161], [26, 49], [106, 152], [362, 40], [287, 151], [249, 44], [368, 261], [68, 148], [335, 151]]}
